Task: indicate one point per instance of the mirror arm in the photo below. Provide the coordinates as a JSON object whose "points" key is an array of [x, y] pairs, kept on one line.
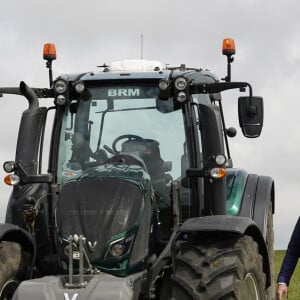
{"points": [[36, 178], [212, 88]]}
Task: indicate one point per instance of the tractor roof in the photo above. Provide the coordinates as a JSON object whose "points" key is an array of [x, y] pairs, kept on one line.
{"points": [[129, 69], [142, 70], [147, 69]]}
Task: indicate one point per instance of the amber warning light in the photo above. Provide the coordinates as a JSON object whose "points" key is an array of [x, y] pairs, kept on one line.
{"points": [[49, 52], [228, 47], [11, 179]]}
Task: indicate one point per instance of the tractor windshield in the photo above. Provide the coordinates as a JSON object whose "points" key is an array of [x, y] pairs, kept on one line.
{"points": [[127, 120]]}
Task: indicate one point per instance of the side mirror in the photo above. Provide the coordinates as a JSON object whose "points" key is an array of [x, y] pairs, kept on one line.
{"points": [[251, 115]]}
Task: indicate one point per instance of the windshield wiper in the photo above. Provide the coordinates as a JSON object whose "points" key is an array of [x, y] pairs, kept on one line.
{"points": [[125, 109]]}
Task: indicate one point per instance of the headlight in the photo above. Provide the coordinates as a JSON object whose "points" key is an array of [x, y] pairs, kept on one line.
{"points": [[60, 86], [181, 83], [220, 159], [79, 87], [117, 250], [163, 84], [181, 97], [60, 100], [119, 247], [9, 166]]}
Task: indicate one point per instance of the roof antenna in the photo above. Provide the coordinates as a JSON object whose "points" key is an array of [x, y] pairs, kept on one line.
{"points": [[142, 45]]}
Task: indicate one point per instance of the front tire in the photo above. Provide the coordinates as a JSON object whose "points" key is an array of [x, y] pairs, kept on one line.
{"points": [[14, 264], [224, 267]]}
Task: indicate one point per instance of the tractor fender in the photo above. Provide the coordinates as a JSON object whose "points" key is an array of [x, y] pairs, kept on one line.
{"points": [[227, 224], [218, 223], [264, 194], [248, 199], [258, 193], [13, 233]]}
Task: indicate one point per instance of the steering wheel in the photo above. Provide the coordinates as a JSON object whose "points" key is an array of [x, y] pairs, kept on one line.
{"points": [[125, 136]]}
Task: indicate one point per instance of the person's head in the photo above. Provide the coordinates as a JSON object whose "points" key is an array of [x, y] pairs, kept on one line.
{"points": [[77, 138]]}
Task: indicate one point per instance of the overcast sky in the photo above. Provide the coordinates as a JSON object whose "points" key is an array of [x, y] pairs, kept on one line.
{"points": [[89, 33]]}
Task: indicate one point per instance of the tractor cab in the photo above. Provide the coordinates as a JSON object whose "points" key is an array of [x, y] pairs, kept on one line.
{"points": [[119, 150]]}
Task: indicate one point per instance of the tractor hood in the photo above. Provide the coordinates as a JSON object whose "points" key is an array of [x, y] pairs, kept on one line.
{"points": [[109, 206]]}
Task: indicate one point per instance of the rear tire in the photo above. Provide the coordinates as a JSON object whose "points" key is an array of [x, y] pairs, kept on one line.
{"points": [[14, 264], [227, 267]]}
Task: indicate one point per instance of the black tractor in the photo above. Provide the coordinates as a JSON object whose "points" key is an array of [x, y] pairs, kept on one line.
{"points": [[141, 200]]}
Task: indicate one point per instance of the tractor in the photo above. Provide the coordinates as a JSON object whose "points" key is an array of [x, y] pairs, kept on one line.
{"points": [[140, 199]]}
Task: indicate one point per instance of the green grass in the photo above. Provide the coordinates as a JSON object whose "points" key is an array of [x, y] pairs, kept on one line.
{"points": [[294, 287]]}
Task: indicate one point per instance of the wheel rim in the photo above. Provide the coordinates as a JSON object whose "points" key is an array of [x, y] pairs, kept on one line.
{"points": [[250, 287], [8, 289]]}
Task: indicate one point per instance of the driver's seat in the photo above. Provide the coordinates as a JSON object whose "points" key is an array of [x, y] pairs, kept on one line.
{"points": [[148, 151]]}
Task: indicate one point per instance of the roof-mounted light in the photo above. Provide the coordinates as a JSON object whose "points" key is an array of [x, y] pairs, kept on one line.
{"points": [[181, 97], [49, 52], [79, 87], [61, 91], [164, 89], [181, 83], [60, 86], [228, 47], [163, 85], [60, 100]]}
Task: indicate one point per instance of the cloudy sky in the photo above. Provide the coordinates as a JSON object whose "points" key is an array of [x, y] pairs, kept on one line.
{"points": [[89, 33]]}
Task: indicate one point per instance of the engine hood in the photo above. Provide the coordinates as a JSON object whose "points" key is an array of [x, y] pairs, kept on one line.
{"points": [[106, 205]]}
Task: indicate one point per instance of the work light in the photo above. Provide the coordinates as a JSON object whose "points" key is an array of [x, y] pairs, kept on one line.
{"points": [[60, 86], [163, 84], [181, 83], [181, 97], [79, 87], [60, 100], [9, 166], [220, 159]]}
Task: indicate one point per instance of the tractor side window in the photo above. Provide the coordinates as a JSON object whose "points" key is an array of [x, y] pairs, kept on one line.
{"points": [[65, 149], [202, 99]]}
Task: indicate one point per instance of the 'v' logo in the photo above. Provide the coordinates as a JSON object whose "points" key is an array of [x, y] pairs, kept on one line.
{"points": [[67, 297], [92, 246]]}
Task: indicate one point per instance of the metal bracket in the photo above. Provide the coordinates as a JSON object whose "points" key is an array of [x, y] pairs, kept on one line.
{"points": [[76, 245]]}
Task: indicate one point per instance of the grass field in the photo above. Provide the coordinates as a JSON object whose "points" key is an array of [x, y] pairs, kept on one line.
{"points": [[294, 288]]}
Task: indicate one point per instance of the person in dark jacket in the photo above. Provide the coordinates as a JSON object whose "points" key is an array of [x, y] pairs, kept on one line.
{"points": [[81, 151], [289, 263]]}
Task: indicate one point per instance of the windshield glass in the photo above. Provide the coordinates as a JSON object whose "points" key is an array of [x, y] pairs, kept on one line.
{"points": [[127, 119], [124, 120]]}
